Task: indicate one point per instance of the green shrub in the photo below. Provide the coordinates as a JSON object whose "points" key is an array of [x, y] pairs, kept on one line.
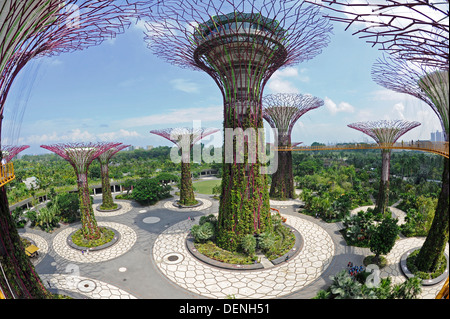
{"points": [[204, 232], [266, 241], [68, 206], [149, 190], [208, 219], [47, 219], [248, 244]]}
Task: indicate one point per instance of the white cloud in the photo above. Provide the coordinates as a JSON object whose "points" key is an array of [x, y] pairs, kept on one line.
{"points": [[185, 85], [176, 116], [336, 108], [77, 135], [398, 111], [112, 136], [279, 84]]}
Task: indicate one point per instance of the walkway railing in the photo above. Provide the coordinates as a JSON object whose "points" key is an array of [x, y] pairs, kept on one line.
{"points": [[440, 148], [6, 173]]}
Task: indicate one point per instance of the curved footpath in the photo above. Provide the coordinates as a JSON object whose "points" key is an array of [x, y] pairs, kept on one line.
{"points": [[151, 261]]}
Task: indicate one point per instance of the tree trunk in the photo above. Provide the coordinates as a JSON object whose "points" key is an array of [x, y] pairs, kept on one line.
{"points": [[244, 205], [187, 196], [18, 278], [382, 201], [107, 199], [88, 223], [437, 238], [282, 186]]}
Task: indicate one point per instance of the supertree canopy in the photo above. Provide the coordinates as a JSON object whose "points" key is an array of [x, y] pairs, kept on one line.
{"points": [[385, 133], [8, 152], [429, 84], [184, 138], [45, 28], [80, 156], [282, 111], [240, 44], [107, 200], [413, 30]]}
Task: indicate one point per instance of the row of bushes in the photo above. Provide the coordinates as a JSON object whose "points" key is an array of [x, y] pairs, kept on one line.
{"points": [[362, 287], [64, 207], [332, 206]]}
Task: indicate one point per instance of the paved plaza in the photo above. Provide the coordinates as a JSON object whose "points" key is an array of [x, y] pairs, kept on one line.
{"points": [[150, 259]]}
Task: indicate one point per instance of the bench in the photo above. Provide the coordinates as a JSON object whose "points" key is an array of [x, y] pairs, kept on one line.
{"points": [[31, 251]]}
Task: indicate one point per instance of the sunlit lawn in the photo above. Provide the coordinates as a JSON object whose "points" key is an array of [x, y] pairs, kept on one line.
{"points": [[205, 187]]}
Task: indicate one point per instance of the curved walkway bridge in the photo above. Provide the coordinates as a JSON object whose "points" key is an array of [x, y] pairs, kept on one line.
{"points": [[440, 148]]}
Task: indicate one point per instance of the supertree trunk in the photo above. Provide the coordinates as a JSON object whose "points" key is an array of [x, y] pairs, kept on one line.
{"points": [[29, 29], [382, 202], [187, 196], [107, 199], [89, 226], [244, 206], [18, 278], [282, 186], [282, 111], [437, 238], [184, 139]]}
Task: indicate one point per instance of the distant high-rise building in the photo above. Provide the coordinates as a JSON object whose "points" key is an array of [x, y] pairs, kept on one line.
{"points": [[437, 136]]}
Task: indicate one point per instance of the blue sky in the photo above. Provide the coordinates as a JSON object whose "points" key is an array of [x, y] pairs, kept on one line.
{"points": [[119, 91]]}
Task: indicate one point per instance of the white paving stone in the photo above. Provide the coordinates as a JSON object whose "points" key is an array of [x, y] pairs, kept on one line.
{"points": [[66, 283], [277, 281], [127, 239]]}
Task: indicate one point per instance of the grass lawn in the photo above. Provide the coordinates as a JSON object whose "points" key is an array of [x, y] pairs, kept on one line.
{"points": [[205, 187]]}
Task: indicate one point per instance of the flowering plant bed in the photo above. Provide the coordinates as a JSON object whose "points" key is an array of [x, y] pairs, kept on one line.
{"points": [[107, 235]]}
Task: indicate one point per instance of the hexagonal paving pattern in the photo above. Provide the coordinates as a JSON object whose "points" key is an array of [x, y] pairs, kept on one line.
{"points": [[127, 239], [208, 281]]}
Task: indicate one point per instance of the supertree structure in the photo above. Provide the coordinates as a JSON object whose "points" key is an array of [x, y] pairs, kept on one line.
{"points": [[80, 156], [415, 33], [430, 85], [184, 138], [282, 111], [8, 152], [35, 28], [107, 199], [240, 44], [413, 30], [385, 133]]}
